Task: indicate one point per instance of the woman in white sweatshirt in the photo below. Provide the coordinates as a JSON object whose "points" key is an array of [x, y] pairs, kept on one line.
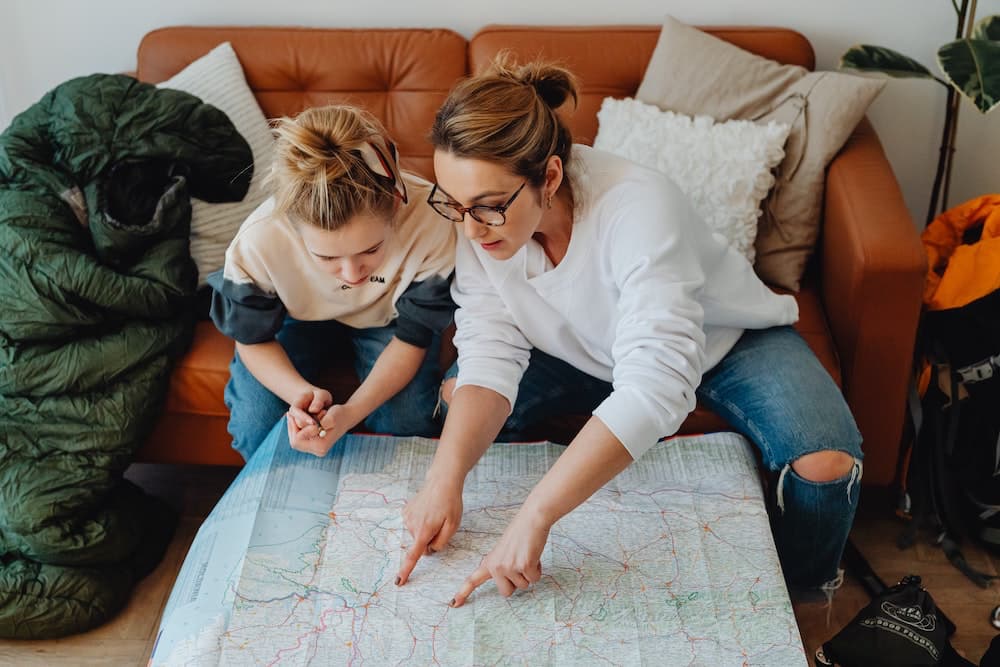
{"points": [[587, 282]]}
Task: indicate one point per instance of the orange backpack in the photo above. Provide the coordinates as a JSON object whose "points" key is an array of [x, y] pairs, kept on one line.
{"points": [[963, 254]]}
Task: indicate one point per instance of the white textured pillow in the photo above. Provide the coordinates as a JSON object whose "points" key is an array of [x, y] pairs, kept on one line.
{"points": [[217, 78], [724, 168]]}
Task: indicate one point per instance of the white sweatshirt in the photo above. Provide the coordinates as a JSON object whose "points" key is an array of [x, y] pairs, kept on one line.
{"points": [[647, 298]]}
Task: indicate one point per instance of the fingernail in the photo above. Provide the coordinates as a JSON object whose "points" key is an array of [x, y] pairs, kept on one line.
{"points": [[398, 579], [452, 603]]}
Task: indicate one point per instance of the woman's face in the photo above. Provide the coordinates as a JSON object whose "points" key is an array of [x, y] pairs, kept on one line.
{"points": [[353, 252], [473, 182]]}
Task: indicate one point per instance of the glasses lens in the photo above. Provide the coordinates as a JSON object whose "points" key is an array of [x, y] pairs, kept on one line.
{"points": [[487, 215], [447, 211]]}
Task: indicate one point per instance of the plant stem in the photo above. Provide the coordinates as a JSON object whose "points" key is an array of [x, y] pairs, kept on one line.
{"points": [[962, 13], [950, 157], [956, 112], [972, 20], [943, 155], [942, 175]]}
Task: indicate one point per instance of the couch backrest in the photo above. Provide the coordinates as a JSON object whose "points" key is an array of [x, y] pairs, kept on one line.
{"points": [[610, 61], [401, 76]]}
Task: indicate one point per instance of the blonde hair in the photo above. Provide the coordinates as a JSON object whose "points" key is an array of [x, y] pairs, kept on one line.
{"points": [[507, 115], [319, 181]]}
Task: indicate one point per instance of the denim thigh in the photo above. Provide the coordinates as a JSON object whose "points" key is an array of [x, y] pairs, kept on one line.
{"points": [[549, 387], [411, 411], [773, 389]]}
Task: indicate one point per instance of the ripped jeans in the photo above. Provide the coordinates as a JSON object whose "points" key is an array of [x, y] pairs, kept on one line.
{"points": [[773, 390]]}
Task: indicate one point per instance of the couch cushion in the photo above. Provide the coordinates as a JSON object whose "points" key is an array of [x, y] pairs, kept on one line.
{"points": [[401, 76], [611, 60], [200, 376]]}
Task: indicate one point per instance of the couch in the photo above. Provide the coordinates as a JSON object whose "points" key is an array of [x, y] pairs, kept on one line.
{"points": [[860, 299]]}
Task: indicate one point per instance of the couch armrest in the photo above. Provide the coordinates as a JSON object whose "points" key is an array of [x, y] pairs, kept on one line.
{"points": [[872, 269]]}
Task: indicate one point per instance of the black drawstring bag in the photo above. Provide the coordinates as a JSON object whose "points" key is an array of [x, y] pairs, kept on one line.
{"points": [[900, 627]]}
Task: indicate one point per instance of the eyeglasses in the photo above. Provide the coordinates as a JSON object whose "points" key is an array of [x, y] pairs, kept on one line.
{"points": [[493, 216]]}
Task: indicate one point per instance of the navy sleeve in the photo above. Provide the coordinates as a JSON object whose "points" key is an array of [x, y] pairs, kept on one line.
{"points": [[243, 311], [425, 310]]}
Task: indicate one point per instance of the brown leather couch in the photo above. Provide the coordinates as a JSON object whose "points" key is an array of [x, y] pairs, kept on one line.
{"points": [[861, 299]]}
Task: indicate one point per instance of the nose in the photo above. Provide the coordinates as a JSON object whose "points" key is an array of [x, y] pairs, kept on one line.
{"points": [[352, 271], [471, 228]]}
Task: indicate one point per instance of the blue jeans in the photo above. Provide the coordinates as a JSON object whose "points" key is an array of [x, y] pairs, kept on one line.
{"points": [[253, 409], [773, 390]]}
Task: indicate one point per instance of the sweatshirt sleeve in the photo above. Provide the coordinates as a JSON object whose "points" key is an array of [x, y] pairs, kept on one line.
{"points": [[492, 351], [245, 306], [425, 310], [656, 256]]}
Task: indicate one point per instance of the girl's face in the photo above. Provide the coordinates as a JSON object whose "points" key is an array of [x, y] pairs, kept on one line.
{"points": [[353, 252], [473, 182]]}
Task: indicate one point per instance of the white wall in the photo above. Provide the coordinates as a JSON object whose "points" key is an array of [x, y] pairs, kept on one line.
{"points": [[44, 42]]}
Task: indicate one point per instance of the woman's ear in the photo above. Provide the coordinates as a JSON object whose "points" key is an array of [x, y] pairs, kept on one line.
{"points": [[553, 175]]}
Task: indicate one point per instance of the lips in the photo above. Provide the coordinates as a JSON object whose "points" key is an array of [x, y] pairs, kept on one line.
{"points": [[490, 246], [359, 282]]}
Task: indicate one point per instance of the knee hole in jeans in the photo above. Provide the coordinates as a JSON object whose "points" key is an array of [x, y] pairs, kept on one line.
{"points": [[823, 466]]}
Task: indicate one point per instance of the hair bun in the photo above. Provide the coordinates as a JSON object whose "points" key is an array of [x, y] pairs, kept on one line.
{"points": [[553, 84], [306, 150], [319, 177]]}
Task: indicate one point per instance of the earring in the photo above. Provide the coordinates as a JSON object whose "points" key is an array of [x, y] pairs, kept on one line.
{"points": [[548, 202]]}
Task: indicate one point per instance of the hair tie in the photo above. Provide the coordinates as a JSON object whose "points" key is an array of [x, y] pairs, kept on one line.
{"points": [[380, 156]]}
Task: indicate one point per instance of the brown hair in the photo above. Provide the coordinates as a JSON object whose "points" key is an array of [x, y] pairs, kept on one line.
{"points": [[319, 176], [507, 115]]}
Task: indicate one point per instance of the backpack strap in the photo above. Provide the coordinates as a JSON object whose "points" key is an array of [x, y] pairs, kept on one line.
{"points": [[955, 414], [979, 371], [957, 558]]}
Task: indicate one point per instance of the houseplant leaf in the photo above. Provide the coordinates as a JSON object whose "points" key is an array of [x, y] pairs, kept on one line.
{"points": [[868, 58], [988, 28], [973, 68]]}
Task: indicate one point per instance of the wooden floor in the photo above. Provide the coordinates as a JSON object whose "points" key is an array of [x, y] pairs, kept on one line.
{"points": [[128, 638]]}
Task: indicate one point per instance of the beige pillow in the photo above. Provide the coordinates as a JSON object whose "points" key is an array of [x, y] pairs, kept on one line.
{"points": [[694, 73], [217, 78]]}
